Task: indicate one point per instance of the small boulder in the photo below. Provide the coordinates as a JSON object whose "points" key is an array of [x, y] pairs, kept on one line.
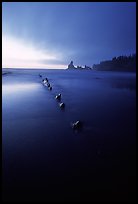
{"points": [[50, 88], [58, 97], [62, 105], [48, 85], [77, 125]]}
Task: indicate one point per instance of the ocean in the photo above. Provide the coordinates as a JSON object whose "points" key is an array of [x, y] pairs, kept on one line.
{"points": [[44, 159]]}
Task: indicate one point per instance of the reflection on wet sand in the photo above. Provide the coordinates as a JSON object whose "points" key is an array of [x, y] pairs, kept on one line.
{"points": [[6, 88]]}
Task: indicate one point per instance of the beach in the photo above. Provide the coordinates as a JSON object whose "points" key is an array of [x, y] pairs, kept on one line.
{"points": [[44, 159]]}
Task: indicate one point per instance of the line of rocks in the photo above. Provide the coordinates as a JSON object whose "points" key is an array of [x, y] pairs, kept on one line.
{"points": [[76, 125]]}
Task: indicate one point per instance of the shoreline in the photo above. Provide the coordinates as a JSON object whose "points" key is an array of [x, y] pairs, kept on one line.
{"points": [[67, 69]]}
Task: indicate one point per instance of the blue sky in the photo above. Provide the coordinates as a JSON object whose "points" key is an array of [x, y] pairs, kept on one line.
{"points": [[51, 34]]}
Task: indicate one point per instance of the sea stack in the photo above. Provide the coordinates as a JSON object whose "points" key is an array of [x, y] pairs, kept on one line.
{"points": [[71, 66]]}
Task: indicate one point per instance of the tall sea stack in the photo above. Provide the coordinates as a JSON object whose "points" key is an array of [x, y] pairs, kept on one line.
{"points": [[71, 66]]}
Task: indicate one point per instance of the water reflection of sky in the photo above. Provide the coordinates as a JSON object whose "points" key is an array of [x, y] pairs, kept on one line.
{"points": [[13, 88]]}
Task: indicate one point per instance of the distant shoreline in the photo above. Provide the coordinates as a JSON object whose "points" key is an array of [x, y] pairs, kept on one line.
{"points": [[94, 70], [6, 71]]}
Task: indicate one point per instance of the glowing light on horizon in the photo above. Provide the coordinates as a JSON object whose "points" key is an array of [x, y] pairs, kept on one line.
{"points": [[20, 54]]}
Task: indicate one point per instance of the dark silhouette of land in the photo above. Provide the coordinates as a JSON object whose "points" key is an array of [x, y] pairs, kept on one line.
{"points": [[71, 66], [121, 63]]}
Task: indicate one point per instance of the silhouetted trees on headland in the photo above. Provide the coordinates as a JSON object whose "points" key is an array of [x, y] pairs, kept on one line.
{"points": [[121, 63]]}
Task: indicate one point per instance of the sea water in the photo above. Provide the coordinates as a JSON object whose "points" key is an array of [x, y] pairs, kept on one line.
{"points": [[45, 159]]}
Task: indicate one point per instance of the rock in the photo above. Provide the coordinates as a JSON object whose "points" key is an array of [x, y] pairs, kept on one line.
{"points": [[79, 67], [58, 97], [62, 105], [86, 67], [48, 85], [45, 80], [71, 66], [50, 88], [77, 125]]}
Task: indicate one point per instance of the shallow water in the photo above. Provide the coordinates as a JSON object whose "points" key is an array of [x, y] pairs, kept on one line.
{"points": [[44, 159]]}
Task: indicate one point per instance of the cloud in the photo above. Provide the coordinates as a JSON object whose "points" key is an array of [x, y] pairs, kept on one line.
{"points": [[60, 32], [20, 53]]}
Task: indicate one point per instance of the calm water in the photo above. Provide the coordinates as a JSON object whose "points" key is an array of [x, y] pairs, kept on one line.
{"points": [[44, 159]]}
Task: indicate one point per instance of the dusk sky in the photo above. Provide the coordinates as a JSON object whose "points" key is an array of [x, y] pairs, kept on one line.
{"points": [[51, 34]]}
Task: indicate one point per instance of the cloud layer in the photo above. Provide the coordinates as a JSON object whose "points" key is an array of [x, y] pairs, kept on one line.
{"points": [[85, 32]]}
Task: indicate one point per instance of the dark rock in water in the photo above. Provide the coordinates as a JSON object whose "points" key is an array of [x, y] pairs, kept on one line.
{"points": [[48, 85], [58, 97], [40, 75], [77, 125], [71, 66], [79, 67], [45, 80], [50, 88], [62, 105], [87, 67]]}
